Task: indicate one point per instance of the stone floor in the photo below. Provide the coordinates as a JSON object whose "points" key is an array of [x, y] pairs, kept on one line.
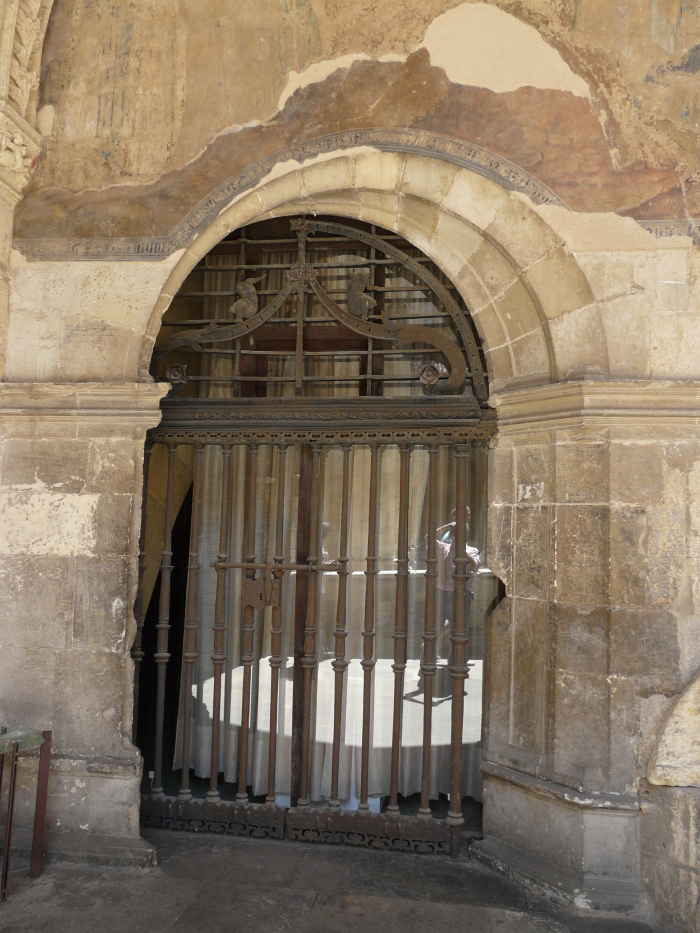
{"points": [[213, 884]]}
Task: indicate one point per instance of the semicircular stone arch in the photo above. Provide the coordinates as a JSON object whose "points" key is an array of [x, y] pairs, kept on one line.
{"points": [[531, 303]]}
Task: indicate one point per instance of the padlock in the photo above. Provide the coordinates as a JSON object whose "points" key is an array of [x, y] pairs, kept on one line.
{"points": [[261, 593]]}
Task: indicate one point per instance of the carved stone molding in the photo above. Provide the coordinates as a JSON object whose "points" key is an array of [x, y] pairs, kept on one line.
{"points": [[324, 421], [414, 142], [20, 146], [131, 408], [21, 43], [666, 405]]}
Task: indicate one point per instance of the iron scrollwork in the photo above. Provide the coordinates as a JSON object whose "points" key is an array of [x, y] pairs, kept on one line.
{"points": [[245, 317]]}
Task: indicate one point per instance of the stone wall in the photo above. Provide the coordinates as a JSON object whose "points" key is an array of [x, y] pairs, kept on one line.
{"points": [[522, 170], [70, 490], [593, 492]]}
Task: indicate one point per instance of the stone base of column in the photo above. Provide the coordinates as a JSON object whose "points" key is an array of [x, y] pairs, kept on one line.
{"points": [[582, 847], [86, 849]]}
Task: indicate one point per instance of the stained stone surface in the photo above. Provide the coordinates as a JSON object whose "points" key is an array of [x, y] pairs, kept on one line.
{"points": [[220, 884]]}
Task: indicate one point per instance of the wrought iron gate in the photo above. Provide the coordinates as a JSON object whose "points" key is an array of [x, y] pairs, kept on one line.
{"points": [[307, 428]]}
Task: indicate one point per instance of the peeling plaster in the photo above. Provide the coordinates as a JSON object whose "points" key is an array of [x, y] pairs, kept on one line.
{"points": [[480, 45], [475, 44]]}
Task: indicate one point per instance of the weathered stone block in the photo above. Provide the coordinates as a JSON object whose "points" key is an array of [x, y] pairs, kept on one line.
{"points": [[493, 270], [87, 702], [581, 563], [527, 725], [582, 472], [540, 831], [530, 355], [501, 480], [671, 853], [56, 464], [623, 726], [525, 235], [517, 312], [47, 523], [560, 284], [111, 466], [628, 556], [26, 686], [581, 709], [581, 639], [471, 288], [113, 520], [499, 674], [100, 602], [532, 475], [579, 343], [644, 644], [429, 180], [499, 546], [636, 474], [475, 198], [532, 552], [37, 605], [490, 328], [379, 171], [335, 174]]}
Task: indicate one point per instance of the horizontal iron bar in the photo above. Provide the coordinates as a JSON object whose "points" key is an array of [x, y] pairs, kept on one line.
{"points": [[331, 567]]}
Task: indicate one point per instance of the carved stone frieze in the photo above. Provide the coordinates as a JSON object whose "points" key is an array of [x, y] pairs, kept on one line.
{"points": [[416, 142], [28, 33], [324, 421], [19, 150]]}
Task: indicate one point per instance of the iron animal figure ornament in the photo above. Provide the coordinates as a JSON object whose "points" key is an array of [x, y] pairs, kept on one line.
{"points": [[246, 318], [247, 304]]}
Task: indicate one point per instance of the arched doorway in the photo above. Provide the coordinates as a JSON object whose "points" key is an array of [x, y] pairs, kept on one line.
{"points": [[329, 408]]}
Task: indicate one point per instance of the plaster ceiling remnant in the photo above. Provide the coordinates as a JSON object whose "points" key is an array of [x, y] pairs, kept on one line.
{"points": [[481, 45]]}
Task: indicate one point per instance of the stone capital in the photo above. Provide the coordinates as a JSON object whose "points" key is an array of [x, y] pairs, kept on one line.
{"points": [[670, 405], [127, 408]]}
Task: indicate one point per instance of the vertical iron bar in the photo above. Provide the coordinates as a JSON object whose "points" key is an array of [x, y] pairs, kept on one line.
{"points": [[276, 629], [459, 669], [14, 755], [368, 659], [42, 793], [163, 626], [137, 652], [340, 664], [308, 662], [300, 227], [219, 656], [401, 609], [189, 653], [429, 665], [248, 627]]}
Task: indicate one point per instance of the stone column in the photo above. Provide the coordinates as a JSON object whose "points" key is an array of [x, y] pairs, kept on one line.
{"points": [[593, 492], [70, 492]]}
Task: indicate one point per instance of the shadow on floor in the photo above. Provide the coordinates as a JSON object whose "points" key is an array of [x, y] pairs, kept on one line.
{"points": [[221, 884]]}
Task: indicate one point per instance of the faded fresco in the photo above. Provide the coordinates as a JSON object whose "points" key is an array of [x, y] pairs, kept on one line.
{"points": [[600, 101]]}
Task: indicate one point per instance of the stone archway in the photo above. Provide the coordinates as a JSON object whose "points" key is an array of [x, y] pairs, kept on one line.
{"points": [[531, 302]]}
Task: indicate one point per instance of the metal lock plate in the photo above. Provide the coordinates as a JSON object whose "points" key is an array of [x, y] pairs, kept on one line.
{"points": [[254, 593]]}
